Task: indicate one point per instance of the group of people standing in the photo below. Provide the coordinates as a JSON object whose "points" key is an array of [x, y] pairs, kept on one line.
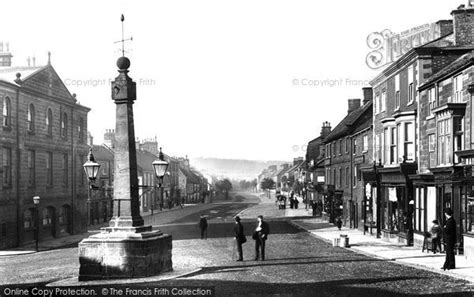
{"points": [[261, 231], [260, 235], [448, 234], [293, 200], [281, 200]]}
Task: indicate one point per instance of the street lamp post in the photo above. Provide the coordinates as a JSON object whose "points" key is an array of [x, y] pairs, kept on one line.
{"points": [[36, 201], [91, 167], [160, 166]]}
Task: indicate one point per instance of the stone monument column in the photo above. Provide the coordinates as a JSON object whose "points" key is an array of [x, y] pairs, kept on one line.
{"points": [[127, 248], [126, 202]]}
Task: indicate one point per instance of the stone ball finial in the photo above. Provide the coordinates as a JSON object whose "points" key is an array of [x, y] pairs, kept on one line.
{"points": [[123, 63]]}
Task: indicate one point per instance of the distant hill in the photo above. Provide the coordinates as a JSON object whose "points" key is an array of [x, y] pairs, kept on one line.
{"points": [[232, 168]]}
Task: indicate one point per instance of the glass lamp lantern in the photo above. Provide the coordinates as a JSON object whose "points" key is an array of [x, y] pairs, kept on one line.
{"points": [[91, 167], [160, 166], [36, 200]]}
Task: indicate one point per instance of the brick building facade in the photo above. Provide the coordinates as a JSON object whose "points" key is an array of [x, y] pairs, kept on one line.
{"points": [[347, 150], [397, 128], [315, 172]]}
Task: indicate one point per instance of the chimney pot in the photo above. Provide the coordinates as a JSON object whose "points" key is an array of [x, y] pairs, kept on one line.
{"points": [[325, 130]]}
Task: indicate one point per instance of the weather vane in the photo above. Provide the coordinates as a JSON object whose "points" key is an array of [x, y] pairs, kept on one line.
{"points": [[123, 38]]}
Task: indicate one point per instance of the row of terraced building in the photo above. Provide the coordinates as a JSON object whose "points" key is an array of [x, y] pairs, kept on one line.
{"points": [[404, 153]]}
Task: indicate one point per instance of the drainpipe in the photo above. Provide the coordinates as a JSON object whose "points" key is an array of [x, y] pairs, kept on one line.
{"points": [[73, 170], [19, 202], [351, 184]]}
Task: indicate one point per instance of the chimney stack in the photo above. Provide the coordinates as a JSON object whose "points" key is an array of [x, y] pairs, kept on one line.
{"points": [[34, 61], [353, 104], [5, 55], [298, 160], [368, 95], [445, 27], [463, 23], [325, 129], [109, 138], [28, 61]]}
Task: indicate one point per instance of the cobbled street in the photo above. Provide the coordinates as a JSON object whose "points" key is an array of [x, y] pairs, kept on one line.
{"points": [[297, 264]]}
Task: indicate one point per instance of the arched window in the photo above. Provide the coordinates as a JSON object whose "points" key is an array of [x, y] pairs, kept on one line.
{"points": [[80, 129], [7, 112], [64, 125], [64, 219], [47, 216], [31, 118], [29, 218], [49, 121]]}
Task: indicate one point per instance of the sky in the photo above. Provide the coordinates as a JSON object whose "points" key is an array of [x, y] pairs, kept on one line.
{"points": [[215, 78]]}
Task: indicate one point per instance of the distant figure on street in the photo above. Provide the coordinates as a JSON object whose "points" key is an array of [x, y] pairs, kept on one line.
{"points": [[239, 237], [203, 226], [436, 233], [450, 239], [292, 199], [339, 223], [260, 236]]}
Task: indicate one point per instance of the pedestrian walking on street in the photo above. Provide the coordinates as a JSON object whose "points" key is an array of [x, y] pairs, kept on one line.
{"points": [[292, 199], [436, 234], [239, 237], [203, 226], [449, 239], [260, 236], [339, 223]]}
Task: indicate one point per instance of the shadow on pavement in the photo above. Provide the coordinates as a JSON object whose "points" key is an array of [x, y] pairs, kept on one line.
{"points": [[344, 287], [277, 262]]}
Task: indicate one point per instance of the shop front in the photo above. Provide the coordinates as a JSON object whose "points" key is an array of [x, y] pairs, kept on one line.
{"points": [[332, 203], [396, 203], [369, 205], [454, 189]]}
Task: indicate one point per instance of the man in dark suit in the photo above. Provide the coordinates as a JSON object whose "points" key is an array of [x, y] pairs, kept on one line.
{"points": [[450, 239], [203, 226], [239, 237], [260, 236]]}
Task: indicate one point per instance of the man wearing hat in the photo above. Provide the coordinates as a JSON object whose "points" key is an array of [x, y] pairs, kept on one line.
{"points": [[450, 239], [239, 237], [260, 236]]}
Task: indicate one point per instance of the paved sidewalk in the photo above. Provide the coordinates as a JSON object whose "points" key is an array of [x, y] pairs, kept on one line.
{"points": [[375, 247], [72, 240]]}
